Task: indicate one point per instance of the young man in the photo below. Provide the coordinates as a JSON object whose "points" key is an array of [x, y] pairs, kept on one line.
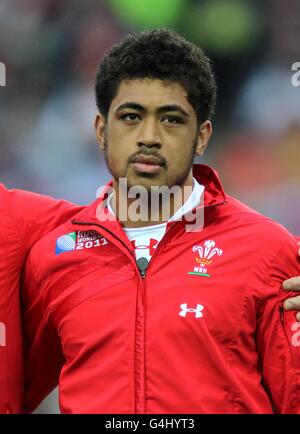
{"points": [[148, 316], [25, 217]]}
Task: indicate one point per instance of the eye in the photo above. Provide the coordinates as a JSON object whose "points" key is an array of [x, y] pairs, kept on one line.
{"points": [[172, 120], [131, 117]]}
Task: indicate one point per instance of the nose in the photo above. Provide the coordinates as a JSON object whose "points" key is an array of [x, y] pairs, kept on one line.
{"points": [[150, 134]]}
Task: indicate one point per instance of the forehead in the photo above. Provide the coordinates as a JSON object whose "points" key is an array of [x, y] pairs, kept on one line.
{"points": [[151, 93]]}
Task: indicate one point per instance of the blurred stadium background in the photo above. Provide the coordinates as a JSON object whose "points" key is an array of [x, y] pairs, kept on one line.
{"points": [[51, 49]]}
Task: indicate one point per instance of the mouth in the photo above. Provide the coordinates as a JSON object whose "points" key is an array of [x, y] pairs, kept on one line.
{"points": [[147, 164]]}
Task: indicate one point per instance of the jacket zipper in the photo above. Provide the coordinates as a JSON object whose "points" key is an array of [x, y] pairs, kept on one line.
{"points": [[290, 334], [139, 339]]}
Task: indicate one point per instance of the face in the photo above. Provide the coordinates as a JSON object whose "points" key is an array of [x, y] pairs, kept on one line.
{"points": [[151, 136]]}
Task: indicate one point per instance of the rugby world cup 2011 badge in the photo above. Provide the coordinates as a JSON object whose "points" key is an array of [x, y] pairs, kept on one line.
{"points": [[204, 259], [79, 240]]}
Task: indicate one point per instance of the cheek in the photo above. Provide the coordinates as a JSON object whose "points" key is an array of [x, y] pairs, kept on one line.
{"points": [[180, 146], [115, 157], [180, 157], [118, 151]]}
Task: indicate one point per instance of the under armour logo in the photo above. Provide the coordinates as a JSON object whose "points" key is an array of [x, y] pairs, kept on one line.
{"points": [[152, 246], [185, 310]]}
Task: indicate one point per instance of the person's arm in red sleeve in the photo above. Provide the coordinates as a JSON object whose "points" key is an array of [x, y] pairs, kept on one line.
{"points": [[24, 217], [43, 353], [278, 333], [35, 215]]}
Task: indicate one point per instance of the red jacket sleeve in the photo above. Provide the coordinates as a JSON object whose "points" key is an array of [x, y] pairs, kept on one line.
{"points": [[43, 354], [35, 215], [278, 332], [25, 217]]}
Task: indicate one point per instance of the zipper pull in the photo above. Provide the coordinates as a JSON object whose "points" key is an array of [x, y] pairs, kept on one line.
{"points": [[142, 264]]}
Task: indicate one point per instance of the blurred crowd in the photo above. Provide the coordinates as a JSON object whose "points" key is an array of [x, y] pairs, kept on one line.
{"points": [[51, 49]]}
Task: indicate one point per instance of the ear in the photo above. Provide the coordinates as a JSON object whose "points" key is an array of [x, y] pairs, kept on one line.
{"points": [[99, 126], [204, 134]]}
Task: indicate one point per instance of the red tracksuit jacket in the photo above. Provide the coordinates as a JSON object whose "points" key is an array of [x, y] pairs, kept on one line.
{"points": [[203, 331], [24, 217]]}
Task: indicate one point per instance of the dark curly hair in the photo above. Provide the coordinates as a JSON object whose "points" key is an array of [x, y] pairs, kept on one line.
{"points": [[160, 54]]}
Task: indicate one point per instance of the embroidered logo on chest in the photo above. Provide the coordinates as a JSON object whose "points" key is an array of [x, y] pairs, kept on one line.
{"points": [[197, 312], [204, 258], [79, 240]]}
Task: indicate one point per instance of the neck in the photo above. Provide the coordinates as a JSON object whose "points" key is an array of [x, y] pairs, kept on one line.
{"points": [[149, 208]]}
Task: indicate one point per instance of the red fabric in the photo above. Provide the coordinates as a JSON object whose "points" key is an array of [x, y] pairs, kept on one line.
{"points": [[25, 217], [175, 341]]}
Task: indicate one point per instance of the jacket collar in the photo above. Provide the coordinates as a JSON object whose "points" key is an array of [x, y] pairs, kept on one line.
{"points": [[214, 193]]}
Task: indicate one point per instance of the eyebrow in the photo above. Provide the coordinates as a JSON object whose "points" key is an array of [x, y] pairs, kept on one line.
{"points": [[162, 109]]}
